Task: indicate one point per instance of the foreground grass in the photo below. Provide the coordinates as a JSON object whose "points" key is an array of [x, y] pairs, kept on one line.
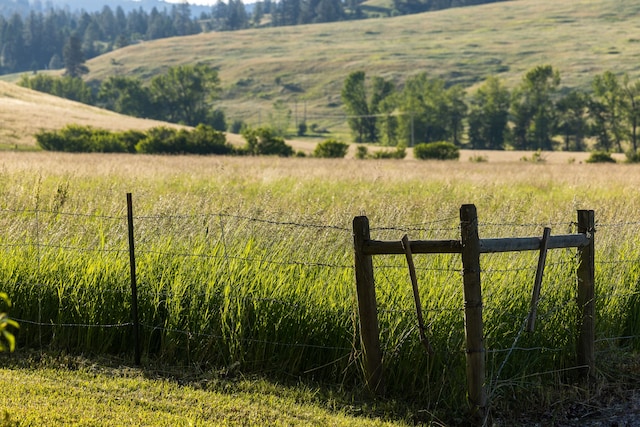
{"points": [[247, 263], [76, 391]]}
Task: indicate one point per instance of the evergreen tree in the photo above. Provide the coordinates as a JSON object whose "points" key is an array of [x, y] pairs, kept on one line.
{"points": [[258, 13], [107, 23], [74, 58]]}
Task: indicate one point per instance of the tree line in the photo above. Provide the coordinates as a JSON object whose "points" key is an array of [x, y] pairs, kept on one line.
{"points": [[184, 94], [35, 40], [538, 114]]}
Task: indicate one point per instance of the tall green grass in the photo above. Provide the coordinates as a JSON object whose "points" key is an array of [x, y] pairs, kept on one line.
{"points": [[248, 266]]}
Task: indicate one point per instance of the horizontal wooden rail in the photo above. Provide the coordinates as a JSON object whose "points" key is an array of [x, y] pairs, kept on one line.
{"points": [[392, 247], [518, 244], [512, 244]]}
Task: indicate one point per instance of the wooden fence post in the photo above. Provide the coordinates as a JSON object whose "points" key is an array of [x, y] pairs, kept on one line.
{"points": [[473, 309], [586, 294], [134, 286], [367, 307]]}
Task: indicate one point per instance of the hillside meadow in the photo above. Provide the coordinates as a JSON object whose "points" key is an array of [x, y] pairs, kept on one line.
{"points": [[24, 112], [245, 265], [305, 66]]}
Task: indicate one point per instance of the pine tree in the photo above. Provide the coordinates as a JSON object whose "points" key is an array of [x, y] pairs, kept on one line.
{"points": [[74, 58]]}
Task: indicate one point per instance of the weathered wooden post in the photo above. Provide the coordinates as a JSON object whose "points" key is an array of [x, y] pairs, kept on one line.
{"points": [[586, 294], [367, 306], [473, 309]]}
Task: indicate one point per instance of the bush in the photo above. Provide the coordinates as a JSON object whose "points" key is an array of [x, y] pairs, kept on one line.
{"points": [[362, 152], [130, 139], [217, 120], [263, 141], [302, 128], [206, 140], [632, 156], [237, 126], [600, 157], [437, 151], [478, 159], [331, 148], [398, 153], [536, 157], [162, 140], [73, 138], [79, 139]]}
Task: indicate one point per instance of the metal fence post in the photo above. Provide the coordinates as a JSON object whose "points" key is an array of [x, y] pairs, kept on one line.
{"points": [[134, 286]]}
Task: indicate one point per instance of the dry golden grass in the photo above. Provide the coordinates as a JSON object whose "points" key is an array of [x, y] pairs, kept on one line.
{"points": [[24, 112], [511, 170]]}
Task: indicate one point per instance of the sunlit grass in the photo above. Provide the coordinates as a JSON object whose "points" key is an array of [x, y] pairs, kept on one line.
{"points": [[247, 263], [122, 396]]}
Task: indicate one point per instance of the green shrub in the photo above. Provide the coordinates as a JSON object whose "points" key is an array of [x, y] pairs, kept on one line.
{"points": [[302, 128], [206, 140], [237, 126], [478, 159], [536, 157], [130, 139], [632, 156], [600, 157], [263, 141], [78, 139], [436, 150], [331, 148], [362, 152], [398, 153], [162, 140]]}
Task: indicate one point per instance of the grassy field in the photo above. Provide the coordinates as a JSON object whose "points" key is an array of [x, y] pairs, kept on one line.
{"points": [[68, 390], [305, 66], [246, 264]]}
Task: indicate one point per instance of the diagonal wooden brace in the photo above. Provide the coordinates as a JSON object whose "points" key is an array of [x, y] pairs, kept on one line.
{"points": [[416, 295], [537, 284]]}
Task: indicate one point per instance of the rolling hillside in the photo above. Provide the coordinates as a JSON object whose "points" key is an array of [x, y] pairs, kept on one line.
{"points": [[24, 112], [305, 66]]}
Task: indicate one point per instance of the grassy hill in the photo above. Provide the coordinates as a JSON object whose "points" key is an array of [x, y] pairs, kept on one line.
{"points": [[305, 66], [24, 112]]}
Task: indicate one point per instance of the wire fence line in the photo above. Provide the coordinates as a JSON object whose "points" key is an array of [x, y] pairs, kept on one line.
{"points": [[46, 236]]}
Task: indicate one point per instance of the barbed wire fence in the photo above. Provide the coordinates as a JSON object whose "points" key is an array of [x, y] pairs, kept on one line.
{"points": [[40, 263]]}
